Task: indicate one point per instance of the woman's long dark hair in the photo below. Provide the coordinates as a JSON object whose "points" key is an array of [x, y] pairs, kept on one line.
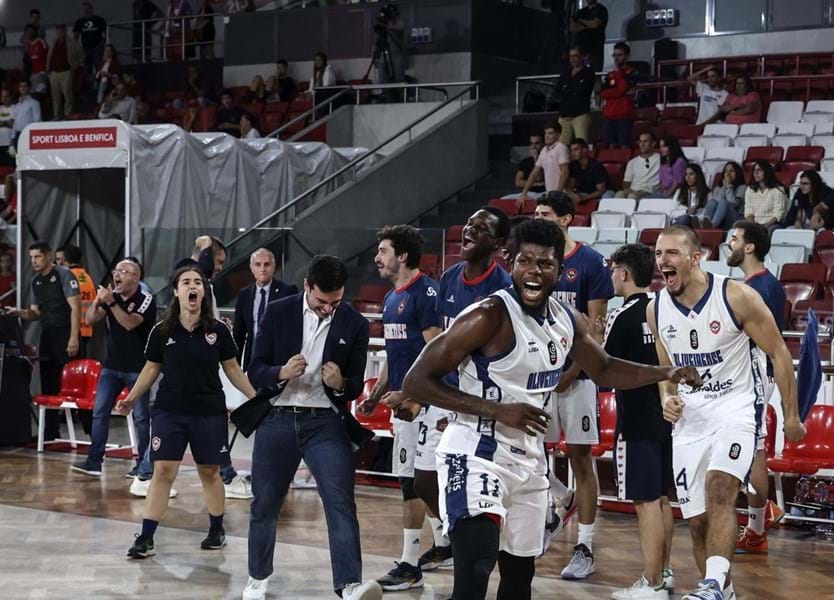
{"points": [[819, 190], [171, 316], [738, 171], [770, 180], [318, 74], [675, 151], [701, 187]]}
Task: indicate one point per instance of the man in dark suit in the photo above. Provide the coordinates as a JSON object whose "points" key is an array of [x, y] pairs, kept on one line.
{"points": [[311, 350], [252, 301]]}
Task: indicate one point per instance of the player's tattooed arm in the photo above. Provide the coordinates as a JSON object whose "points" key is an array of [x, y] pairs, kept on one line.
{"points": [[485, 329]]}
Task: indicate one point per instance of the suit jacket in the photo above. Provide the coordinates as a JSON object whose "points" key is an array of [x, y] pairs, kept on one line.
{"points": [[280, 337], [244, 325]]}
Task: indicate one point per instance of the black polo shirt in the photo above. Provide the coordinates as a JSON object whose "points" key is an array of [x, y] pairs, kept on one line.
{"points": [[126, 349], [592, 41], [190, 368], [526, 166], [627, 336], [586, 180], [575, 92], [50, 293]]}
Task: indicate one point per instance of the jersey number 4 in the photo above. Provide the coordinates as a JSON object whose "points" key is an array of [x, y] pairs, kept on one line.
{"points": [[680, 479], [490, 486]]}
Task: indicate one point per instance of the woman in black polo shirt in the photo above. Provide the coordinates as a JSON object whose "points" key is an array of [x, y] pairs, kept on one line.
{"points": [[187, 346]]}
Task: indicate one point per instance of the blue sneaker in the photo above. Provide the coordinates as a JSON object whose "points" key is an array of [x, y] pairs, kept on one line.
{"points": [[87, 468], [708, 589]]}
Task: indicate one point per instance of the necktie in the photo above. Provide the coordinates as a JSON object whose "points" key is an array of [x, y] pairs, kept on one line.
{"points": [[261, 307]]}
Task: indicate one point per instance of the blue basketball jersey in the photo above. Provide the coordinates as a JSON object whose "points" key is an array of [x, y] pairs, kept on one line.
{"points": [[585, 277], [408, 311], [773, 295]]}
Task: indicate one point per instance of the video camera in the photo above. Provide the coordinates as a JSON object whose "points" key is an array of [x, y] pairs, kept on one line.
{"points": [[388, 12]]}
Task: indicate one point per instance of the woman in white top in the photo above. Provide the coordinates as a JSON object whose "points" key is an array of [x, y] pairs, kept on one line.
{"points": [[322, 72], [726, 204], [765, 202], [692, 196], [247, 128]]}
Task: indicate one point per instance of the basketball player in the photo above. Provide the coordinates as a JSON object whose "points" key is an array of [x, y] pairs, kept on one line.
{"points": [[512, 348], [410, 319], [713, 323], [484, 234], [749, 244], [585, 284]]}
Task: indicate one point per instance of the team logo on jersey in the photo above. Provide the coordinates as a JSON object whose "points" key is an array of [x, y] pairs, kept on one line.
{"points": [[564, 342], [571, 274], [451, 299], [586, 423], [53, 280], [211, 338], [735, 451], [551, 349], [131, 306], [715, 327], [156, 443], [431, 292], [73, 284], [693, 339], [670, 333], [532, 347], [403, 456], [401, 307]]}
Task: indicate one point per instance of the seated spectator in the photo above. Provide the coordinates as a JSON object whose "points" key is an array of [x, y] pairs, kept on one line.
{"points": [[587, 178], [574, 89], [812, 192], [109, 65], [744, 105], [143, 112], [134, 87], [118, 105], [726, 203], [191, 121], [285, 85], [322, 73], [26, 111], [692, 196], [227, 117], [711, 95], [642, 174], [8, 278], [672, 165], [526, 166], [7, 109], [553, 161], [247, 127], [256, 91], [765, 201]]}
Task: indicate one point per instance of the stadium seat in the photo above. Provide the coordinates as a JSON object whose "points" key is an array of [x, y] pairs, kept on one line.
{"points": [[372, 292], [824, 310], [380, 420], [607, 424], [580, 220], [826, 140], [772, 154], [505, 204], [451, 259], [622, 235], [716, 267], [607, 220], [718, 134], [828, 164], [785, 112], [614, 155], [78, 380], [765, 129], [794, 237], [717, 157], [827, 177], [694, 154], [606, 248], [620, 205], [657, 205], [806, 154], [648, 237], [684, 115], [586, 235], [644, 220], [802, 281], [825, 107], [782, 255], [824, 248], [789, 139], [616, 172], [751, 140], [687, 134], [711, 239], [814, 452], [798, 128], [430, 264], [453, 233], [649, 114], [272, 122]]}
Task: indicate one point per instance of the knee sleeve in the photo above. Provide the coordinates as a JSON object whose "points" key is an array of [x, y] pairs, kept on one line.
{"points": [[407, 487], [516, 576]]}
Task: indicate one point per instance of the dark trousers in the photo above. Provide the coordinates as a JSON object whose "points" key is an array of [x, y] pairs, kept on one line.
{"points": [[53, 357], [281, 441], [110, 385]]}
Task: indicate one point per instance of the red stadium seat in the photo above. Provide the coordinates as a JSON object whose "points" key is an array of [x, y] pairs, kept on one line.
{"points": [[614, 155], [824, 310], [451, 259], [380, 420], [454, 233], [828, 285], [815, 451], [271, 122], [785, 177], [430, 264], [529, 207], [824, 248], [607, 424], [649, 237], [771, 154], [78, 383], [585, 208], [256, 109], [649, 114], [375, 325], [372, 292], [580, 220], [770, 432], [616, 172], [802, 281], [507, 205], [678, 115], [711, 239], [276, 107], [807, 154]]}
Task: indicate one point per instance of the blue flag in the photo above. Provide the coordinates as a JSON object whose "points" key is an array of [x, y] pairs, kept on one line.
{"points": [[809, 371]]}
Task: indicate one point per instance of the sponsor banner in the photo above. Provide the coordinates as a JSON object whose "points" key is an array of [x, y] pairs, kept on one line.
{"points": [[75, 138]]}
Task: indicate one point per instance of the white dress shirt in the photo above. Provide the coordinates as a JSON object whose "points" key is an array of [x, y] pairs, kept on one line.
{"points": [[308, 390], [255, 324], [27, 111]]}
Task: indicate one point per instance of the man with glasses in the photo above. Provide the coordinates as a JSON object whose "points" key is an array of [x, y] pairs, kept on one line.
{"points": [[642, 174], [526, 166], [129, 313]]}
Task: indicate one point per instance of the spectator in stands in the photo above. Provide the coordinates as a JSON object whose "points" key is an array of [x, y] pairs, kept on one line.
{"points": [[322, 73], [38, 51], [812, 192], [8, 278], [642, 174], [672, 165], [64, 59], [247, 127], [589, 24], [618, 99], [196, 88], [726, 203], [765, 201], [204, 31], [110, 65], [744, 105], [526, 166], [27, 111], [227, 117], [177, 29], [118, 105], [285, 85], [191, 119], [32, 30], [7, 112], [144, 10], [692, 196], [143, 112], [256, 91], [574, 88], [588, 179], [553, 160], [711, 95], [90, 30]]}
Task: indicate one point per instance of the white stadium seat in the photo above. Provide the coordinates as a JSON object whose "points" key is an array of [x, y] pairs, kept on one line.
{"points": [[785, 254], [794, 237], [720, 267], [823, 122], [647, 220], [613, 234], [785, 111], [694, 153], [820, 106], [657, 205], [806, 129], [826, 140], [620, 205], [716, 158], [747, 141], [827, 177], [765, 129], [721, 130], [586, 235], [714, 142], [828, 164], [608, 220], [607, 248], [788, 140]]}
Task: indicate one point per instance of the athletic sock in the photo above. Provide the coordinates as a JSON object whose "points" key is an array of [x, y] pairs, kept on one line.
{"points": [[756, 523], [215, 522], [586, 535], [717, 568], [557, 488], [411, 546], [440, 540], [149, 527]]}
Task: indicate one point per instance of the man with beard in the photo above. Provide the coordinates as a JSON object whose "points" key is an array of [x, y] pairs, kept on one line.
{"points": [[749, 244], [490, 460]]}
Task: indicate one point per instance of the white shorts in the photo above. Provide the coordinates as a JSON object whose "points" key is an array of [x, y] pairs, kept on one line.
{"points": [[471, 486], [576, 412], [769, 387], [731, 449], [405, 445], [428, 436]]}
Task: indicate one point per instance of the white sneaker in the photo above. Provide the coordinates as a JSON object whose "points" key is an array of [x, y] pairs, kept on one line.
{"points": [[139, 488], [581, 564], [640, 590], [669, 580], [553, 523], [255, 589], [370, 590], [729, 592], [238, 489]]}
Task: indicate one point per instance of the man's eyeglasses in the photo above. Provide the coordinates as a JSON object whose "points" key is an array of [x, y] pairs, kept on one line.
{"points": [[122, 272]]}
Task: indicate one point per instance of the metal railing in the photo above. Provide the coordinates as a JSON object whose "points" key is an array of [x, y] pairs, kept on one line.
{"points": [[761, 61], [546, 80], [161, 27]]}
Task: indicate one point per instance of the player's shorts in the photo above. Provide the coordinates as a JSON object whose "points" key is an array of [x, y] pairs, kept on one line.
{"points": [[472, 486], [405, 446], [576, 412], [208, 436], [644, 469], [731, 449], [428, 436], [769, 387]]}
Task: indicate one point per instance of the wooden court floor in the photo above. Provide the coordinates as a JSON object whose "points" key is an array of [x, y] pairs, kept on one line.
{"points": [[64, 536]]}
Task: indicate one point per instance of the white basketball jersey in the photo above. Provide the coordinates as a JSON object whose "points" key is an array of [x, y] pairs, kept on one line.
{"points": [[709, 337], [528, 373]]}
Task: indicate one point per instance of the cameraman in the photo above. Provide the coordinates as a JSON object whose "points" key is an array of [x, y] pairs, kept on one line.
{"points": [[118, 105], [389, 57]]}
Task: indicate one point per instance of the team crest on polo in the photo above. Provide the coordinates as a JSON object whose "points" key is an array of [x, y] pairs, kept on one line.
{"points": [[715, 327], [401, 307], [571, 274], [156, 443], [211, 338], [551, 349], [564, 342]]}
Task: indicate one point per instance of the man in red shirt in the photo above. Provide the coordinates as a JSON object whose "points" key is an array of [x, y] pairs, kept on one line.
{"points": [[64, 57], [618, 99], [37, 49]]}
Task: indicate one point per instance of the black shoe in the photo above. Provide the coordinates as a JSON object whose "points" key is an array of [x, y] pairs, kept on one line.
{"points": [[437, 557], [215, 540], [402, 577], [134, 472], [87, 469], [142, 547]]}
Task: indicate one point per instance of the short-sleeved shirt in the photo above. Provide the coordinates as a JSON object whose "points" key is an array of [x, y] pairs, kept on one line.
{"points": [[38, 50], [592, 41], [587, 179], [627, 336], [709, 100], [190, 368], [773, 295], [126, 349], [87, 290], [551, 158], [736, 119], [50, 293], [643, 173], [407, 312], [91, 30]]}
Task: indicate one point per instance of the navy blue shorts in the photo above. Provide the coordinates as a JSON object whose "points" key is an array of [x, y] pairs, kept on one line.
{"points": [[644, 469], [208, 436]]}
